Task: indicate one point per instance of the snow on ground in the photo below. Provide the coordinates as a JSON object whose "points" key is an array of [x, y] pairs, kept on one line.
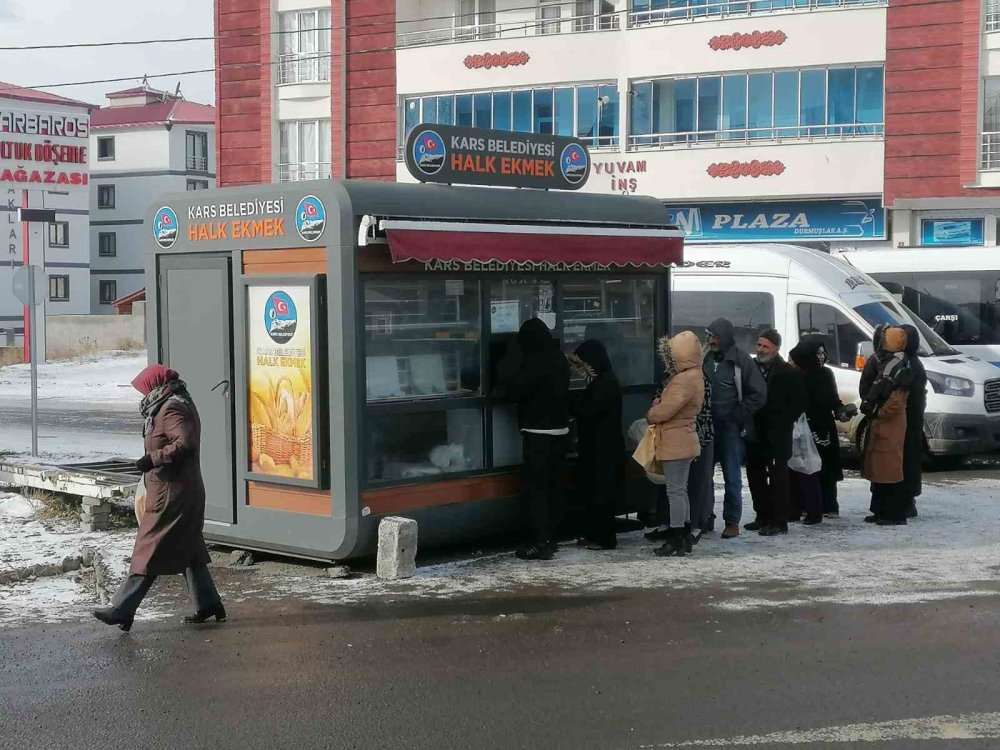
{"points": [[104, 378], [65, 445], [949, 552]]}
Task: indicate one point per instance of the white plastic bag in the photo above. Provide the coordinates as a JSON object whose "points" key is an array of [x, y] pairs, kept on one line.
{"points": [[805, 456], [140, 498]]}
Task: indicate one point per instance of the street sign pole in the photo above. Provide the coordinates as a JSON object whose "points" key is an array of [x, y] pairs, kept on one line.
{"points": [[33, 294]]}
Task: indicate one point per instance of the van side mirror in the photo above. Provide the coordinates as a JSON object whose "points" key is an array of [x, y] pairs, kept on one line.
{"points": [[865, 350]]}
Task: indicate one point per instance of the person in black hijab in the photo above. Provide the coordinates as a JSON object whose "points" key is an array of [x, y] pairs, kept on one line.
{"points": [[599, 440], [916, 404], [536, 377]]}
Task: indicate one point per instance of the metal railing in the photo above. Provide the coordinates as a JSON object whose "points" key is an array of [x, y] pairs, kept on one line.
{"points": [[511, 24], [758, 135], [702, 9], [313, 67], [299, 171], [991, 152], [197, 163]]}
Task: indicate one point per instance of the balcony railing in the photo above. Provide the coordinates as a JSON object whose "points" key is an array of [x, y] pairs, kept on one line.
{"points": [[993, 15], [509, 24], [711, 9], [308, 68], [197, 163], [713, 138], [991, 152], [300, 171]]}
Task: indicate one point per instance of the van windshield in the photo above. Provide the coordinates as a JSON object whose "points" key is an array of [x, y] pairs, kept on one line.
{"points": [[895, 314]]}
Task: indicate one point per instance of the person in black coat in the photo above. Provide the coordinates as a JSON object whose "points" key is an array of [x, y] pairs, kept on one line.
{"points": [[916, 404], [535, 375], [769, 445], [599, 440]]}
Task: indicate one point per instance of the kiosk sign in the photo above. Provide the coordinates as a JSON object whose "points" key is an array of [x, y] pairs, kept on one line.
{"points": [[474, 156]]}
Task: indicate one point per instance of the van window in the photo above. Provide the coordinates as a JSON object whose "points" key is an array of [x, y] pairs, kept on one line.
{"points": [[898, 314], [842, 336], [962, 308], [751, 313]]}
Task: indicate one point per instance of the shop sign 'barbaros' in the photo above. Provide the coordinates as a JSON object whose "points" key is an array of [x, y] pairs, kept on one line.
{"points": [[474, 156]]}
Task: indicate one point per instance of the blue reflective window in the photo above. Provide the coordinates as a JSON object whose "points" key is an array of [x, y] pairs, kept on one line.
{"points": [[430, 113], [446, 110], [812, 101], [734, 106], [501, 110], [543, 111], [759, 101], [786, 102], [608, 107], [685, 113], [463, 110], [523, 113], [586, 111], [564, 106], [411, 115], [484, 111], [709, 95], [640, 115], [840, 99], [870, 92]]}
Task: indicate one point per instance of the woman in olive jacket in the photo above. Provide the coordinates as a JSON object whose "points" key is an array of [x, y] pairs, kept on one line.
{"points": [[674, 414]]}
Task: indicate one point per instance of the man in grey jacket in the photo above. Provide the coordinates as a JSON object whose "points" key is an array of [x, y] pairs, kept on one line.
{"points": [[738, 390]]}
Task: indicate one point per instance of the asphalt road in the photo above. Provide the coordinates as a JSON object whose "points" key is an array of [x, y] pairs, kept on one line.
{"points": [[539, 670], [104, 418]]}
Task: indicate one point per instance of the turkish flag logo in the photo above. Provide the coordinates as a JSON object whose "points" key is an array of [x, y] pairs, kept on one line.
{"points": [[311, 210], [280, 306], [166, 220]]}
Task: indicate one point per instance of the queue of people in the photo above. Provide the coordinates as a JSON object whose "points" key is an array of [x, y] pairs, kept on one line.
{"points": [[717, 405]]}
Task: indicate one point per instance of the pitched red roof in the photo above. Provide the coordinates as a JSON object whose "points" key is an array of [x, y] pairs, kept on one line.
{"points": [[158, 113], [13, 91], [138, 91]]}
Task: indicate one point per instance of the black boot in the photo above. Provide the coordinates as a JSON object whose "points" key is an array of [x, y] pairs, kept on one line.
{"points": [[112, 616], [911, 511], [755, 525], [689, 539], [674, 546], [541, 551], [773, 529], [812, 520], [709, 525], [218, 612]]}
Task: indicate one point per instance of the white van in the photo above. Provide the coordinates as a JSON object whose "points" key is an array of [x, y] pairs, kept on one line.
{"points": [[800, 291], [956, 291]]}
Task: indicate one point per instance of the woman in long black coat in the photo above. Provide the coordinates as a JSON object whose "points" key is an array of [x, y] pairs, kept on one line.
{"points": [[916, 404], [600, 442], [170, 537]]}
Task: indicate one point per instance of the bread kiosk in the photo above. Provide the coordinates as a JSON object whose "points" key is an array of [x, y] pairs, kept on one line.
{"points": [[341, 338]]}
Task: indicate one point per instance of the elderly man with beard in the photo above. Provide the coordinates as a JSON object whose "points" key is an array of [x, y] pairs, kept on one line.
{"points": [[770, 444]]}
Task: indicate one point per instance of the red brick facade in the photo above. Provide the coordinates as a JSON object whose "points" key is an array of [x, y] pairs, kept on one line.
{"points": [[932, 99], [362, 90]]}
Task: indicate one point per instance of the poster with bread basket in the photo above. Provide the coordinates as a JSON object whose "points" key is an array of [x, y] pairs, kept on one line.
{"points": [[281, 408]]}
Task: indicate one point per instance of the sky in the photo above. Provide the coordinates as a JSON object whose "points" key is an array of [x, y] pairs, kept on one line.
{"points": [[33, 22]]}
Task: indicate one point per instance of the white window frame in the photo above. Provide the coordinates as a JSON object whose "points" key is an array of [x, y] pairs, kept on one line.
{"points": [[304, 155], [483, 20], [54, 234], [197, 185], [304, 53], [193, 160]]}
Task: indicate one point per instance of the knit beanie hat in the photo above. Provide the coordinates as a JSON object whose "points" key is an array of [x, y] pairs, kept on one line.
{"points": [[773, 336]]}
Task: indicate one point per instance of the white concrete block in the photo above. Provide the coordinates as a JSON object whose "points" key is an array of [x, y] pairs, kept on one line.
{"points": [[397, 548]]}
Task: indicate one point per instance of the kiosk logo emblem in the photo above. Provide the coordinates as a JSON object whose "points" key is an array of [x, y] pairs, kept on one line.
{"points": [[429, 152], [574, 164], [165, 228], [280, 318], [310, 218]]}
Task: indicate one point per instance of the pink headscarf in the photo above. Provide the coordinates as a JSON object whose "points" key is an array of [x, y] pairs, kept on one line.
{"points": [[153, 377]]}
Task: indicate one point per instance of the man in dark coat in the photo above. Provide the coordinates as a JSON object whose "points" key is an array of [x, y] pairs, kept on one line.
{"points": [[600, 444], [738, 390], [536, 377], [170, 534], [770, 443], [916, 404]]}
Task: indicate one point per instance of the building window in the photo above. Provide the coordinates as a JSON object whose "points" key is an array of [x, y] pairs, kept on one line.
{"points": [[810, 103], [107, 244], [842, 336], [106, 148], [59, 234], [646, 12], [991, 123], [304, 46], [594, 14], [197, 185], [105, 196], [59, 288], [304, 150], [549, 17], [196, 149], [476, 19], [108, 292], [588, 112], [993, 15]]}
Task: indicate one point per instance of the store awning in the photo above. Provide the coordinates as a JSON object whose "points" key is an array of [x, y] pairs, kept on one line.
{"points": [[562, 245]]}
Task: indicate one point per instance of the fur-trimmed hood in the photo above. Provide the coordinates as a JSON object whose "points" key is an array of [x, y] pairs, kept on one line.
{"points": [[679, 353]]}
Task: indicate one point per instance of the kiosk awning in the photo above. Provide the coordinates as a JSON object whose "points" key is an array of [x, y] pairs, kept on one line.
{"points": [[531, 243]]}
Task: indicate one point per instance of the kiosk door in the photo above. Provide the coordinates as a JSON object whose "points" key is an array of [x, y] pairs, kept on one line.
{"points": [[196, 340]]}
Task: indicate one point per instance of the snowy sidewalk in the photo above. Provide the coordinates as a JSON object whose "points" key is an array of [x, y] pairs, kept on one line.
{"points": [[100, 380], [949, 552]]}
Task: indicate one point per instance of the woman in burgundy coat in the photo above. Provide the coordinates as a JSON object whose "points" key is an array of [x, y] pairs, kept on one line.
{"points": [[170, 533]]}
